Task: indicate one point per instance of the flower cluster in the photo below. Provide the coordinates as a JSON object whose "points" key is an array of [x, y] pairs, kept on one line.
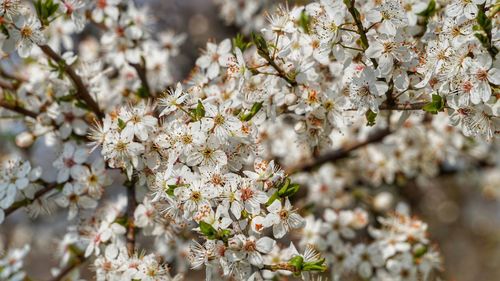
{"points": [[12, 263], [17, 182]]}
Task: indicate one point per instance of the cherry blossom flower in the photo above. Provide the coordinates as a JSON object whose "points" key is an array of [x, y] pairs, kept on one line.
{"points": [[70, 162], [24, 35], [214, 57], [283, 218]]}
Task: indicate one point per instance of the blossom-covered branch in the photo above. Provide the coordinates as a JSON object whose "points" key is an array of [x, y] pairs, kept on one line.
{"points": [[81, 89], [345, 151]]}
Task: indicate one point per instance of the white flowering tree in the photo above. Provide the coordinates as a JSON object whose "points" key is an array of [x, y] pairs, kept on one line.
{"points": [[266, 161]]}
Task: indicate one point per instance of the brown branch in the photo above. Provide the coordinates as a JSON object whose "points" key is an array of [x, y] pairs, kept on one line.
{"points": [[341, 153], [408, 106], [281, 266], [17, 108], [359, 25], [140, 68], [79, 260], [12, 76], [26, 202], [281, 73], [131, 205], [82, 91], [402, 106]]}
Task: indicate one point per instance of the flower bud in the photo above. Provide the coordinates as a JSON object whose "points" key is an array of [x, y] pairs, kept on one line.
{"points": [[290, 99], [300, 127], [25, 139], [383, 201]]}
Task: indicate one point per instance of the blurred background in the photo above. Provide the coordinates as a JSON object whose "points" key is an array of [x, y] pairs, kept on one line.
{"points": [[463, 215]]}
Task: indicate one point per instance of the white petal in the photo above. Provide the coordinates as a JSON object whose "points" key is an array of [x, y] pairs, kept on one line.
{"points": [[265, 245]]}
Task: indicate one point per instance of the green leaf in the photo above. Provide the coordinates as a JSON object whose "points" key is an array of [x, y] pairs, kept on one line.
{"points": [[142, 92], [81, 105], [297, 262], [370, 117], [67, 98], [283, 187], [261, 44], [121, 124], [291, 190], [304, 21], [208, 230], [123, 220], [239, 42], [171, 188], [45, 10], [435, 106], [430, 10], [318, 265], [272, 198], [199, 111], [253, 111], [224, 234]]}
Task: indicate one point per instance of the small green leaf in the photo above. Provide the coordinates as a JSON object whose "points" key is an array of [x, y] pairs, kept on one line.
{"points": [[208, 230], [121, 124], [66, 98], [171, 188], [430, 10], [261, 44], [297, 262], [81, 105], [239, 42], [283, 187], [272, 198], [291, 190], [142, 92], [370, 117], [304, 21], [318, 265], [253, 111], [435, 106], [199, 111], [45, 10]]}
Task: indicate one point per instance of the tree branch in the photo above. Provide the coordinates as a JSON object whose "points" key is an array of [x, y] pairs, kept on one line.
{"points": [[402, 106], [131, 205], [408, 106], [17, 108], [140, 68], [341, 153], [82, 91], [79, 260], [361, 30], [26, 202]]}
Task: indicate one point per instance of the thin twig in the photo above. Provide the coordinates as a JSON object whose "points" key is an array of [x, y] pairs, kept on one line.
{"points": [[341, 153], [403, 106], [140, 68], [361, 30], [17, 108], [26, 202], [79, 260], [82, 91], [131, 205]]}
